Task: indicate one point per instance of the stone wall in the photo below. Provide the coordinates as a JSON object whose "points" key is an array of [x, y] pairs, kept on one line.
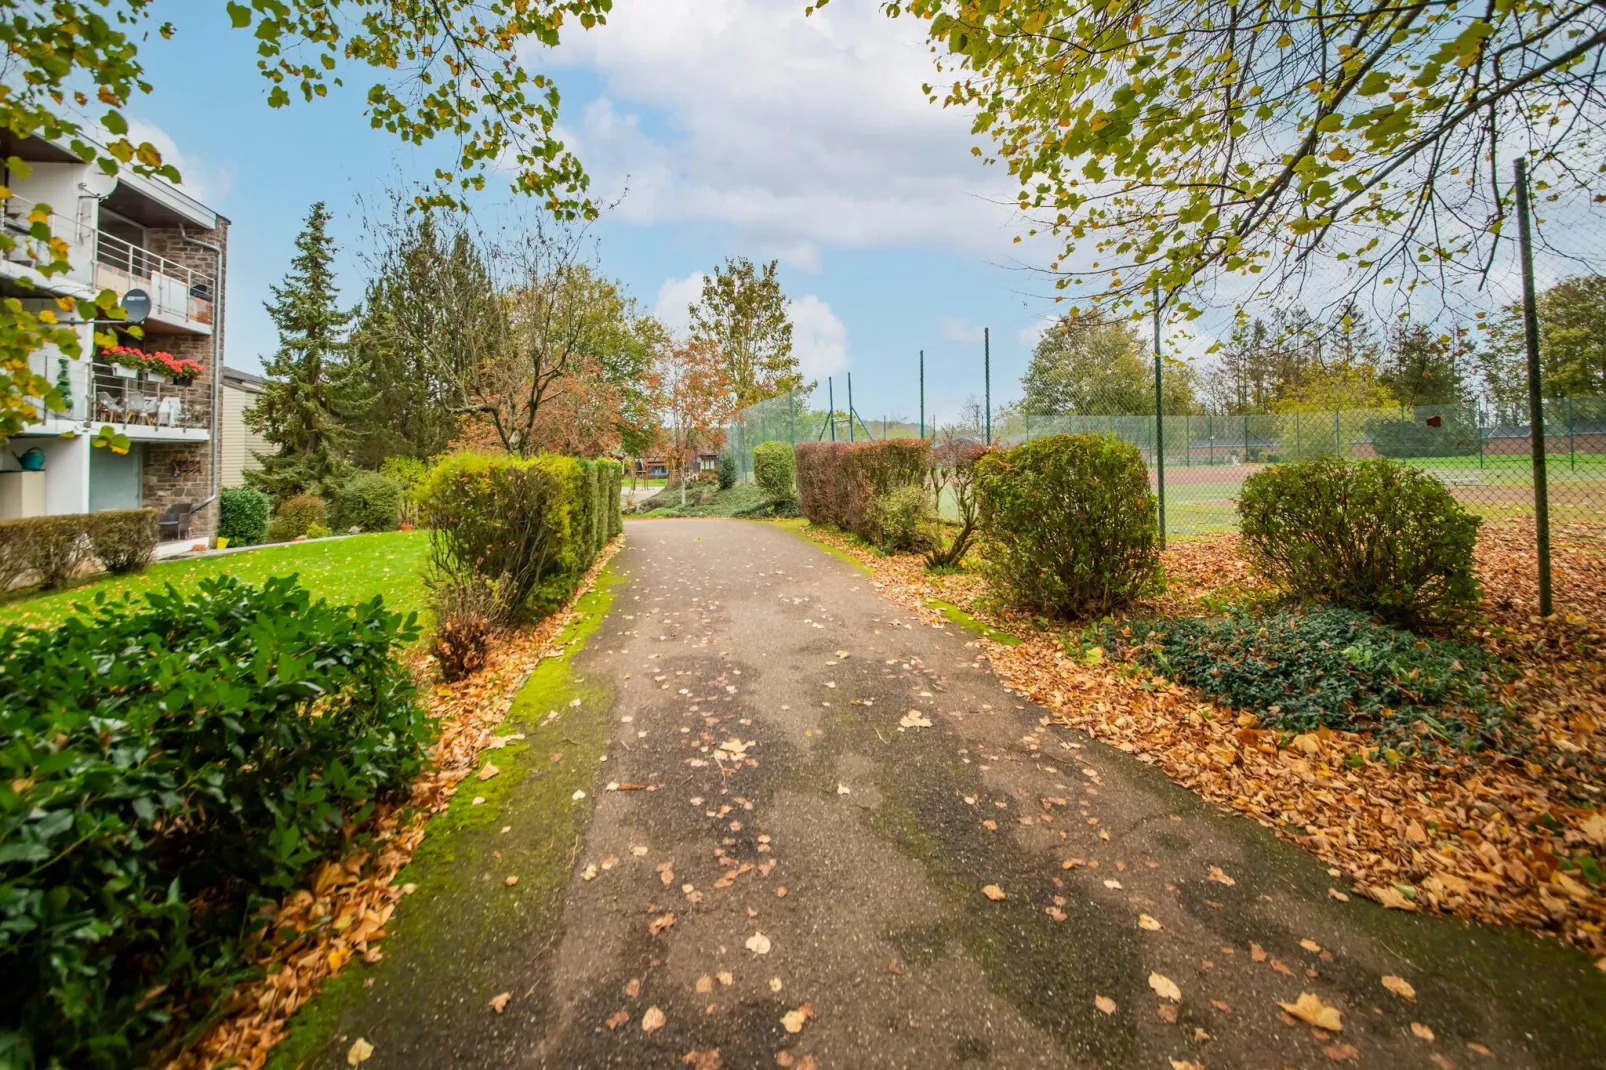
{"points": [[182, 471]]}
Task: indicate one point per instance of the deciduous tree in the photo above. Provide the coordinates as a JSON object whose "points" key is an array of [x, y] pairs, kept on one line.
{"points": [[698, 399], [742, 316]]}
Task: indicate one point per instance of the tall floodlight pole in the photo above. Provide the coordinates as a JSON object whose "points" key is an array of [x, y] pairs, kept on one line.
{"points": [[1159, 419], [987, 379], [922, 393], [830, 399], [1536, 400]]}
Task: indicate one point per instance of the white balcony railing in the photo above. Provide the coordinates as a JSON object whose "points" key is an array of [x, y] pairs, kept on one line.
{"points": [[99, 393], [19, 216], [176, 290]]}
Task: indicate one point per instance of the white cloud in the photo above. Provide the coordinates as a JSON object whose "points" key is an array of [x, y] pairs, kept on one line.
{"points": [[675, 298], [798, 132], [955, 329], [203, 181], [819, 338]]}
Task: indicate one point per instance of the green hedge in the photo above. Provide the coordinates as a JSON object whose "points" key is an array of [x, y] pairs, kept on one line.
{"points": [[775, 470], [296, 515], [242, 515], [56, 548], [1068, 524], [1374, 535], [169, 767], [368, 501], [530, 526], [844, 483]]}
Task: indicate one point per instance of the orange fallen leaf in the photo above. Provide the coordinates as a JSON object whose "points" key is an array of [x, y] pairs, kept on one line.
{"points": [[499, 1002], [1422, 1031], [1105, 1004], [705, 985], [1399, 986], [660, 923], [1342, 1053], [1220, 876], [488, 772], [702, 1060], [793, 1020], [1146, 922], [653, 1020], [617, 1019], [993, 892]]}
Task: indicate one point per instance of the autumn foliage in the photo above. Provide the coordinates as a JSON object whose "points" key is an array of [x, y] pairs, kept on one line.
{"points": [[844, 483]]}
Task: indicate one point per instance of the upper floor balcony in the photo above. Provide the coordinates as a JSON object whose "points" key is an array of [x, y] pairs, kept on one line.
{"points": [[183, 300], [139, 404]]}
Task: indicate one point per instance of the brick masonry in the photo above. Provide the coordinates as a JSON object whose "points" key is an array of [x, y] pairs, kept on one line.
{"points": [[182, 471]]}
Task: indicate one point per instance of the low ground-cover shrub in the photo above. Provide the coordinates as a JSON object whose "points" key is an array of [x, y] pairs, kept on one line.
{"points": [[296, 515], [774, 470], [124, 540], [1068, 524], [845, 483], [1373, 535], [529, 527], [906, 521], [368, 501], [1330, 667], [242, 515], [168, 767]]}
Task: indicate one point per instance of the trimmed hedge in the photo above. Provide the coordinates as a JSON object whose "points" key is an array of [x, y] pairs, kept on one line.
{"points": [[1373, 535], [529, 526], [1069, 524], [296, 515], [57, 548], [774, 470], [242, 515], [368, 501], [170, 767], [123, 539], [843, 483]]}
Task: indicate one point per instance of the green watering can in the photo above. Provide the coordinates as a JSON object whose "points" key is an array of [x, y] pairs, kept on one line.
{"points": [[31, 461]]}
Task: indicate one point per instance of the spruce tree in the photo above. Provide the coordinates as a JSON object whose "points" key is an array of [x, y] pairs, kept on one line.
{"points": [[311, 394]]}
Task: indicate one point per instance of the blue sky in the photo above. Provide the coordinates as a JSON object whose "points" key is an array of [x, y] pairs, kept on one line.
{"points": [[739, 128]]}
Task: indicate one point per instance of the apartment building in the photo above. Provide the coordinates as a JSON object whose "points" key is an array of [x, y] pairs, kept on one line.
{"points": [[122, 233]]}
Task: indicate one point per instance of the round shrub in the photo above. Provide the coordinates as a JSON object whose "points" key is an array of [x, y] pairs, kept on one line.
{"points": [[369, 501], [773, 468], [906, 519], [727, 470], [295, 516], [123, 539], [242, 515], [1373, 535], [1068, 524]]}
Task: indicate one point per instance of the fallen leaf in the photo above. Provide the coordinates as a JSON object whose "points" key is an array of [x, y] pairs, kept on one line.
{"points": [[1473, 1045], [1399, 986], [1422, 1031], [1186, 1064], [1151, 924], [1221, 1005], [775, 984], [705, 985], [617, 1019], [1342, 1053], [1310, 945], [1310, 1009], [843, 789], [758, 944], [499, 1002], [653, 1020], [488, 772], [359, 1052], [793, 1020], [702, 1060], [725, 977], [1257, 952], [1392, 898], [993, 892], [915, 719], [1112, 884], [577, 796], [1220, 877], [633, 988], [1105, 1004], [660, 923], [1165, 988], [1334, 893], [1166, 1012]]}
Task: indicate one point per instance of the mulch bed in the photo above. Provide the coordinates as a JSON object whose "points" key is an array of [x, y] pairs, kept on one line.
{"points": [[1477, 836], [343, 914]]}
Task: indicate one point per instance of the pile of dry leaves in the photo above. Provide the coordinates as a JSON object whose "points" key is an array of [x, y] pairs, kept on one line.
{"points": [[1481, 836], [342, 915]]}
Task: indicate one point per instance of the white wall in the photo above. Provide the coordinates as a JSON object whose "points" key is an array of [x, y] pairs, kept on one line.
{"points": [[56, 184], [66, 471]]}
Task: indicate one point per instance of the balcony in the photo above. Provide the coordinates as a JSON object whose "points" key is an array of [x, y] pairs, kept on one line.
{"points": [[137, 404], [181, 298], [22, 220]]}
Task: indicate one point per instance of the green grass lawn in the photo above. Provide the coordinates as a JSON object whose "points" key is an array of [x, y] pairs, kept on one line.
{"points": [[742, 498], [352, 569]]}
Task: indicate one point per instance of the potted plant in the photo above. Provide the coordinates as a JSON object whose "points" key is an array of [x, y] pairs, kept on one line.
{"points": [[125, 361], [160, 366]]}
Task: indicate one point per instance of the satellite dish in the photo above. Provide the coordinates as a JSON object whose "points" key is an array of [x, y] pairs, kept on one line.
{"points": [[98, 184], [137, 303]]}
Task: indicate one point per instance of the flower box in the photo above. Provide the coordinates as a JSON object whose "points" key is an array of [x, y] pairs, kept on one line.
{"points": [[123, 371]]}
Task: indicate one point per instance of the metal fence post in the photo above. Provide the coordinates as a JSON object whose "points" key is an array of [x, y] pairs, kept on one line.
{"points": [[1159, 420], [1536, 402], [1572, 437], [987, 378], [1338, 436], [923, 394], [791, 416], [1477, 425], [830, 394], [850, 406]]}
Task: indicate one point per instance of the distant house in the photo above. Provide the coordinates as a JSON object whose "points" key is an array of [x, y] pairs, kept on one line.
{"points": [[158, 389], [658, 467], [236, 442]]}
